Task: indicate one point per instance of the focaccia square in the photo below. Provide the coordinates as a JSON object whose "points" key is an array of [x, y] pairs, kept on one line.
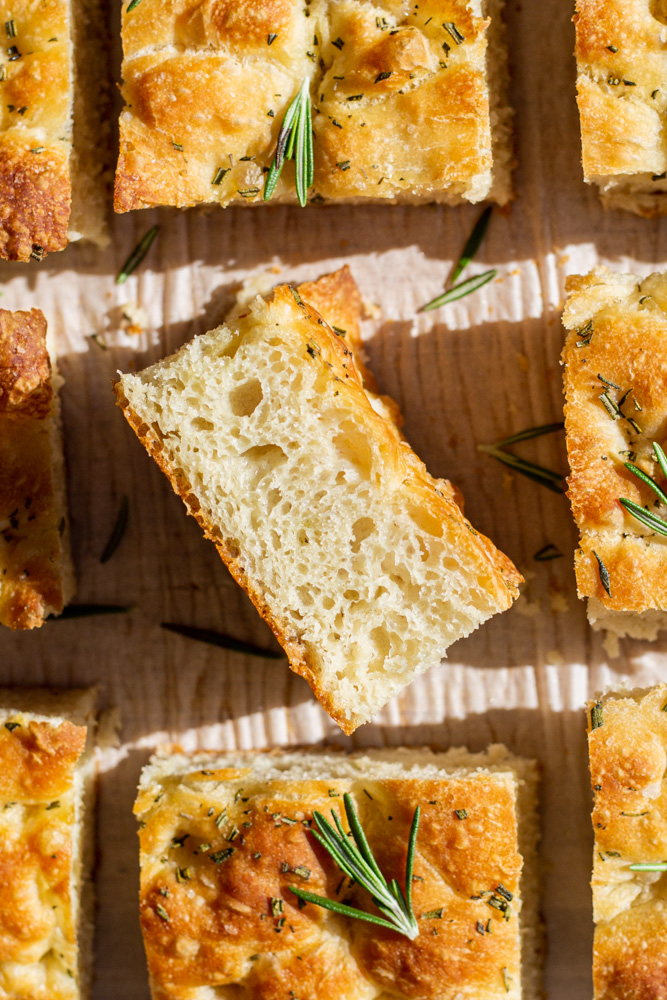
{"points": [[616, 353], [363, 565], [627, 743], [224, 836], [36, 574], [408, 100], [46, 839], [52, 81], [621, 72]]}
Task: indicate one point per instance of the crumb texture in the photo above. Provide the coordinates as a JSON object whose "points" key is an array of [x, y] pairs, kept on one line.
{"points": [[615, 356], [628, 753], [224, 837], [36, 576], [622, 63], [409, 103], [364, 565]]}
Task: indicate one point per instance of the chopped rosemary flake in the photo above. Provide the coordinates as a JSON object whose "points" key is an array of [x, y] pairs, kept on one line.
{"points": [[219, 856], [12, 55], [88, 610], [354, 857], [10, 28], [139, 252], [635, 815], [37, 252], [452, 30], [183, 874], [177, 145], [649, 866], [159, 909], [233, 834], [220, 639], [354, 97], [295, 141], [610, 385], [461, 813], [507, 980], [333, 794], [271, 37], [383, 76], [585, 334], [37, 149], [222, 818], [433, 914], [339, 43], [53, 805], [339, 331], [220, 174], [479, 927], [498, 903], [302, 872], [117, 532], [597, 716], [548, 553], [505, 893], [604, 574], [461, 290], [612, 48], [343, 165], [277, 906], [473, 243], [11, 726], [248, 192]]}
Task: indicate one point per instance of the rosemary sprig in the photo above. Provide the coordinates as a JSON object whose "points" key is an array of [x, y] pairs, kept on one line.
{"points": [[545, 477], [117, 532], [645, 517], [354, 857], [473, 243], [295, 141], [137, 255], [220, 639], [461, 290], [649, 866]]}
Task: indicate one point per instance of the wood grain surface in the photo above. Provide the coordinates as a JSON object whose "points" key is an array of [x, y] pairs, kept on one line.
{"points": [[468, 374]]}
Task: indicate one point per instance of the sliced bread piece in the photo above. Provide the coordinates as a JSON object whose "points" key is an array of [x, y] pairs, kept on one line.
{"points": [[615, 409], [224, 836], [627, 739], [362, 563], [36, 573], [47, 771]]}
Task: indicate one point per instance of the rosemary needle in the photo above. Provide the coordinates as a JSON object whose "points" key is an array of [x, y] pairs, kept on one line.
{"points": [[354, 857], [473, 243], [530, 432], [137, 255], [117, 532], [649, 866], [295, 141], [461, 290], [551, 480], [220, 639]]}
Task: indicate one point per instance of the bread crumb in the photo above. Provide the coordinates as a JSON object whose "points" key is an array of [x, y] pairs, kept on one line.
{"points": [[554, 658], [611, 645], [371, 310]]}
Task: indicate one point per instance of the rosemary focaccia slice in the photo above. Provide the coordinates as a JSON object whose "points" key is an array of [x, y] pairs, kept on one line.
{"points": [[362, 564], [36, 574], [615, 415], [627, 742], [388, 102], [621, 71], [52, 187], [47, 771], [227, 838]]}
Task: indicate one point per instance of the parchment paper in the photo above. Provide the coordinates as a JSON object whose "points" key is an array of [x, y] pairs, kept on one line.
{"points": [[479, 370]]}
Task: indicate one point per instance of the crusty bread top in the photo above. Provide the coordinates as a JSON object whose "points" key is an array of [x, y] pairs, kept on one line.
{"points": [[36, 577], [627, 758], [622, 65], [358, 621], [35, 127], [40, 787], [223, 838], [628, 347], [401, 103]]}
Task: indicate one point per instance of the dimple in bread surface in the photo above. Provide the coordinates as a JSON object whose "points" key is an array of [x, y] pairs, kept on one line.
{"points": [[234, 927], [363, 565], [627, 348], [44, 908], [36, 576], [628, 753], [622, 64], [405, 109]]}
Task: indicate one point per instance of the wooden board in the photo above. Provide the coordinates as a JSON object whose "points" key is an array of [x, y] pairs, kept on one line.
{"points": [[483, 368]]}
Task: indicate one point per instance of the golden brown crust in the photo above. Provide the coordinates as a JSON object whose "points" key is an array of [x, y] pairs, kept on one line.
{"points": [[25, 368], [435, 500], [402, 107], [222, 929], [35, 131], [627, 759], [629, 328], [622, 103], [35, 577], [38, 944]]}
